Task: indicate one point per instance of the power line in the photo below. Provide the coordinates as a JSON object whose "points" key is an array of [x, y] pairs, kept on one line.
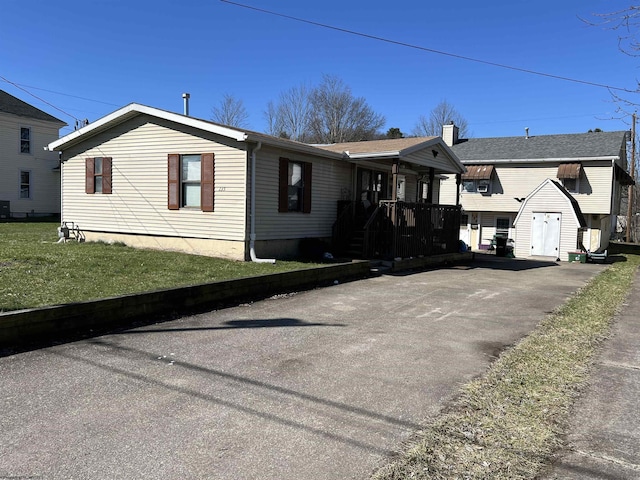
{"points": [[41, 99], [431, 50], [61, 93]]}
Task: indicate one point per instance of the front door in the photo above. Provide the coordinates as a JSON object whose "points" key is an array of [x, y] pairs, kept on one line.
{"points": [[372, 187], [545, 234]]}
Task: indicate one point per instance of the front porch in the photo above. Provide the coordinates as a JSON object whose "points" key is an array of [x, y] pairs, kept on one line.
{"points": [[396, 229]]}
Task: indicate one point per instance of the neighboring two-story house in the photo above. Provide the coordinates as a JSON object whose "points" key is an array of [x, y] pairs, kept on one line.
{"points": [[551, 194], [29, 175]]}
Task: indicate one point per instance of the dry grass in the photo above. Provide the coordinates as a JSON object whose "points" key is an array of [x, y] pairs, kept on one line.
{"points": [[507, 424]]}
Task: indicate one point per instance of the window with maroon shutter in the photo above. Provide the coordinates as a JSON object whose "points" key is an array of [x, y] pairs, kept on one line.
{"points": [[207, 182], [90, 186], [294, 186], [98, 175], [173, 161], [191, 181]]}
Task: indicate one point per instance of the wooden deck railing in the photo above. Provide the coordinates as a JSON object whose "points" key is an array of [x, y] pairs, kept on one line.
{"points": [[403, 230]]}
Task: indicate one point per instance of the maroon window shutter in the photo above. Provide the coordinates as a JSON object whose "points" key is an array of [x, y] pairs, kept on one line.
{"points": [[283, 186], [106, 175], [207, 182], [174, 181], [90, 186], [306, 202]]}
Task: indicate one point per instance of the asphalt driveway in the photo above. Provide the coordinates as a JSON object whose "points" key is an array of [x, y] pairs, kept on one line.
{"points": [[324, 384]]}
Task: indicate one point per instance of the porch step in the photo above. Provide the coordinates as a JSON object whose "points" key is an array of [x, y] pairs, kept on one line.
{"points": [[380, 267], [356, 244]]}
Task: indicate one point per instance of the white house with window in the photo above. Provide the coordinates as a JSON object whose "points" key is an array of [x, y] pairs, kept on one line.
{"points": [[29, 175], [503, 173], [152, 178]]}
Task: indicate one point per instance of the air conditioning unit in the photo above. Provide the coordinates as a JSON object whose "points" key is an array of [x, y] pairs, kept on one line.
{"points": [[483, 188]]}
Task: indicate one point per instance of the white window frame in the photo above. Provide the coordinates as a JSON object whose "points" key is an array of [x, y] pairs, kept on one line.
{"points": [[29, 185], [30, 140], [501, 230], [476, 186], [193, 182]]}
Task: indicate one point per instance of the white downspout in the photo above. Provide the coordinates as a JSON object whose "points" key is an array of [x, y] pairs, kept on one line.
{"points": [[252, 211]]}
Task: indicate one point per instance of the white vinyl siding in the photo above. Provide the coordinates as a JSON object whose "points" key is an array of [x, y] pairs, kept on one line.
{"points": [[519, 180], [45, 182], [138, 203], [330, 180], [547, 199]]}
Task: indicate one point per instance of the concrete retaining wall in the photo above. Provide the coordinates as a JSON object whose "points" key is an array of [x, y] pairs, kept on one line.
{"points": [[32, 326]]}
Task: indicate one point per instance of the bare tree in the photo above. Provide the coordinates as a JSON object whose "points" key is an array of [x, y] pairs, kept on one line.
{"points": [[442, 114], [337, 116], [230, 112], [290, 117], [327, 113]]}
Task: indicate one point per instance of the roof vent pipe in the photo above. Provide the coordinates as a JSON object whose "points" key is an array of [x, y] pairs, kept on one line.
{"points": [[186, 97], [526, 132]]}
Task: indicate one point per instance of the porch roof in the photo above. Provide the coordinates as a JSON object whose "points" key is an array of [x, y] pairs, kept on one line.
{"points": [[420, 151]]}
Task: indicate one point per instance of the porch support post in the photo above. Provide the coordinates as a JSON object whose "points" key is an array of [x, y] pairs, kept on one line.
{"points": [[458, 182], [432, 175], [395, 168]]}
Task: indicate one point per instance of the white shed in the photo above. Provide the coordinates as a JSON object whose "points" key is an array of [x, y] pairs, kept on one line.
{"points": [[549, 223]]}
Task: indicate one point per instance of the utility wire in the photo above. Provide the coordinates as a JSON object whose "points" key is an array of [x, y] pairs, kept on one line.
{"points": [[61, 93], [41, 99], [431, 50]]}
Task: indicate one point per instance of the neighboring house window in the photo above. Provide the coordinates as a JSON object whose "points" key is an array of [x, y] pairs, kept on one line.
{"points": [[477, 179], [569, 175], [25, 184], [191, 181], [25, 140], [502, 226], [294, 186], [98, 175]]}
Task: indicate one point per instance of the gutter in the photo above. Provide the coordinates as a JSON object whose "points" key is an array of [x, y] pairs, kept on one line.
{"points": [[252, 211], [536, 160]]}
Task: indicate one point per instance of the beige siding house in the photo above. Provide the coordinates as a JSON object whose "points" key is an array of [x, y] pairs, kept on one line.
{"points": [[29, 175], [158, 179], [502, 173]]}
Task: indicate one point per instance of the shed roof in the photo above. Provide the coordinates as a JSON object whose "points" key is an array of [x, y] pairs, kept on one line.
{"points": [[565, 195], [15, 106], [543, 147]]}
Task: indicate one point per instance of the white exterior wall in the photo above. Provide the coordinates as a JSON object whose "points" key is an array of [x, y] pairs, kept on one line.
{"points": [[547, 199], [138, 204], [44, 181], [330, 182]]}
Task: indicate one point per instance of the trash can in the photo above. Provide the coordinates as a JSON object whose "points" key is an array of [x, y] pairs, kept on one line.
{"points": [[577, 257], [501, 246]]}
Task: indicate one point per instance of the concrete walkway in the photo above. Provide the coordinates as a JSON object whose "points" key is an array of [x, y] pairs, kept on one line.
{"points": [[604, 440], [324, 384]]}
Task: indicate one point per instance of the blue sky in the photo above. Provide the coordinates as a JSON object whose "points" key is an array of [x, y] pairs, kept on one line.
{"points": [[91, 57]]}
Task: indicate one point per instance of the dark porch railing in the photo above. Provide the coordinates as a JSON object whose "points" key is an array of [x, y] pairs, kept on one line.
{"points": [[403, 230]]}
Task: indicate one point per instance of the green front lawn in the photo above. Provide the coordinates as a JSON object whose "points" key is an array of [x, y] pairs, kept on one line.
{"points": [[36, 271]]}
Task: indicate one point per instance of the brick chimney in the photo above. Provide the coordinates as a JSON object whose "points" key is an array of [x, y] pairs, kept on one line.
{"points": [[450, 134]]}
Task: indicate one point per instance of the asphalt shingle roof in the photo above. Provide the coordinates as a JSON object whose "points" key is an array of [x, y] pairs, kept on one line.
{"points": [[15, 106], [574, 145], [372, 146]]}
